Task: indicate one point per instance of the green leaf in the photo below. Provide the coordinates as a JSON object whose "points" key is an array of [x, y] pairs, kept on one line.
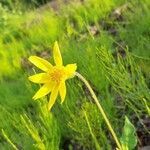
{"points": [[128, 138]]}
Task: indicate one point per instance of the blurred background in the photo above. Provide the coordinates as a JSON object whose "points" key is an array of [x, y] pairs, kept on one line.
{"points": [[110, 42]]}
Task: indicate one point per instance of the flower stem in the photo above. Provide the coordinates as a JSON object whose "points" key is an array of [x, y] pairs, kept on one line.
{"points": [[100, 108]]}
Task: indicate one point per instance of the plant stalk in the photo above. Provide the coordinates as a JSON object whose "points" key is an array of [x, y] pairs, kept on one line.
{"points": [[93, 136], [100, 108]]}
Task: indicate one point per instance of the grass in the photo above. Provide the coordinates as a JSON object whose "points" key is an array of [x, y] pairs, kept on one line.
{"points": [[120, 80]]}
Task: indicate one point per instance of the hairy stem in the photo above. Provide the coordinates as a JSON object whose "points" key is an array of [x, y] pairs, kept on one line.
{"points": [[100, 108]]}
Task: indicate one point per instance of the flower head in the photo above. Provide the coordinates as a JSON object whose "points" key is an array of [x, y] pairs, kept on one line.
{"points": [[53, 78]]}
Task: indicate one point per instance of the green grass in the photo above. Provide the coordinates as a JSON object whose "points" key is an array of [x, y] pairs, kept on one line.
{"points": [[120, 82]]}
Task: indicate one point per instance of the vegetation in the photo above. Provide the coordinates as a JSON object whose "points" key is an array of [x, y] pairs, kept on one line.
{"points": [[109, 42]]}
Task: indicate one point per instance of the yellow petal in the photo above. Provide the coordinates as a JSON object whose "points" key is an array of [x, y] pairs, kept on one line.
{"points": [[40, 63], [62, 91], [44, 90], [39, 78], [57, 54], [53, 97], [70, 70]]}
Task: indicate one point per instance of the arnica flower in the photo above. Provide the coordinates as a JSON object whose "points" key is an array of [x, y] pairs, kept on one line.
{"points": [[53, 78]]}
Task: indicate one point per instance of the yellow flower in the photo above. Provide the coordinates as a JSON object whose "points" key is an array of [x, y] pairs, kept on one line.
{"points": [[53, 78]]}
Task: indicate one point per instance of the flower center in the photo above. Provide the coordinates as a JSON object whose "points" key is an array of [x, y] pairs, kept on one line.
{"points": [[57, 74]]}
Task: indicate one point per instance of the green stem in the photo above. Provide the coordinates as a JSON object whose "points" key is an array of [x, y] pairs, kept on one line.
{"points": [[93, 136], [100, 108], [8, 140]]}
